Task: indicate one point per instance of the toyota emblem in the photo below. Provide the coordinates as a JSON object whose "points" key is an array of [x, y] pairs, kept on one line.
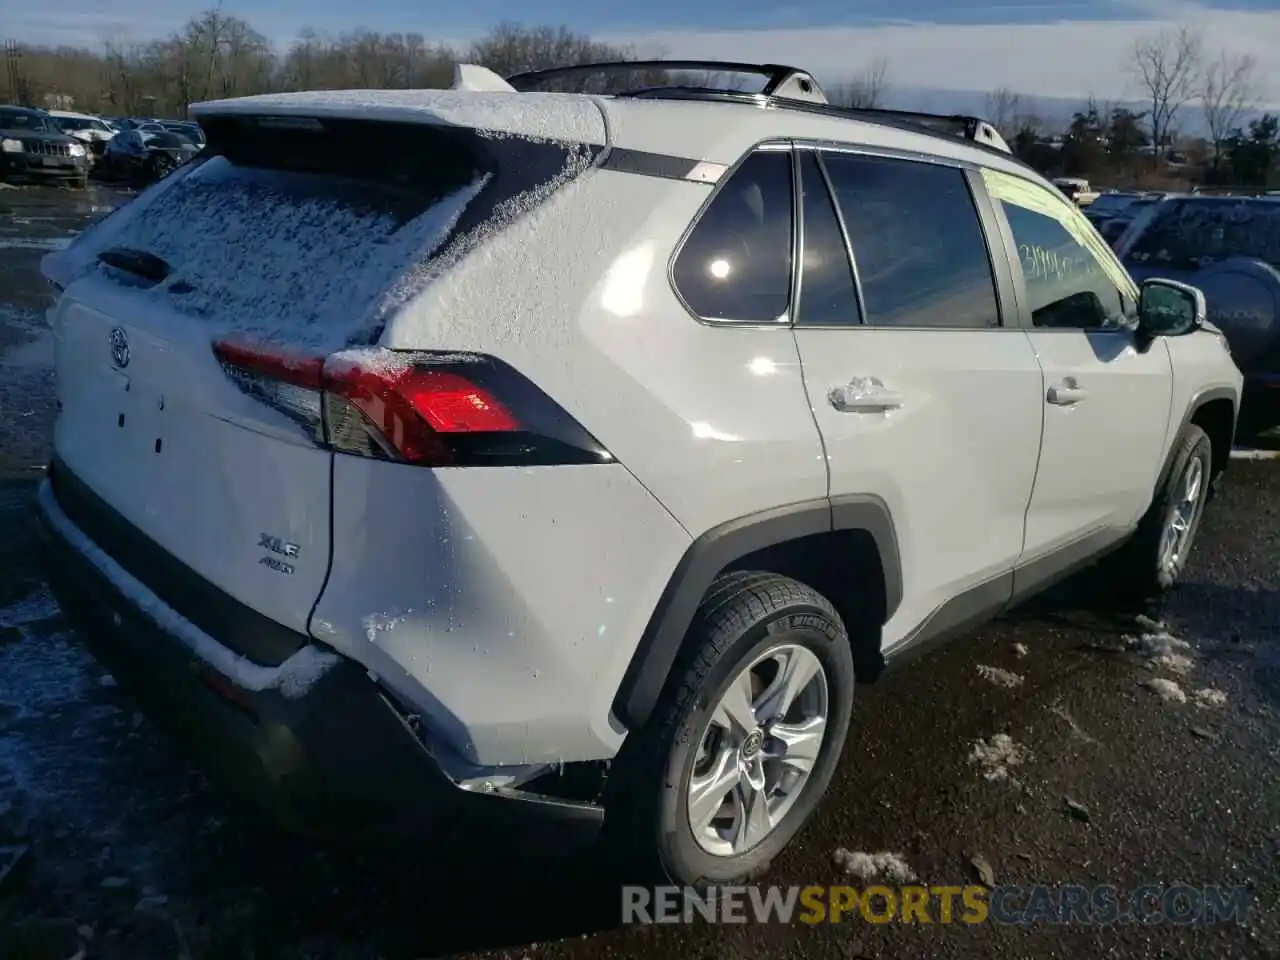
{"points": [[119, 347]]}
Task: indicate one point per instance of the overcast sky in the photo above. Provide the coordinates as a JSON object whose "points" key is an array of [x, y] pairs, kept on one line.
{"points": [[1070, 49]]}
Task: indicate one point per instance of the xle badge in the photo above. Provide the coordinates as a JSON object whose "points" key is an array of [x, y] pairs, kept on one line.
{"points": [[280, 547]]}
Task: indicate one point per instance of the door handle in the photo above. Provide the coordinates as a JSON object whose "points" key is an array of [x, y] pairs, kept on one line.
{"points": [[863, 395], [1066, 394]]}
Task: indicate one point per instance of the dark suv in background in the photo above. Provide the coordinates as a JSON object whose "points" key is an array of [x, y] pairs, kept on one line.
{"points": [[1229, 247], [33, 148]]}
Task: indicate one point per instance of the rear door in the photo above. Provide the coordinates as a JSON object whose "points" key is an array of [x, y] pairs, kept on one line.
{"points": [[923, 398], [291, 240], [1107, 396]]}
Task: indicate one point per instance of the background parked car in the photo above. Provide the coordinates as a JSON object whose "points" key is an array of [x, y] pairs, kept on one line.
{"points": [[93, 132], [142, 157], [1113, 227], [32, 148], [1110, 205], [1229, 247], [1077, 190], [187, 129]]}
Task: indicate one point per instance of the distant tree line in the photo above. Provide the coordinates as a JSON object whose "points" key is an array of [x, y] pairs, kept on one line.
{"points": [[218, 55], [1175, 78]]}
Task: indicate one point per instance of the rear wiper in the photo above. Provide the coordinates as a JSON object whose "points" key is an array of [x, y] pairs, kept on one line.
{"points": [[137, 262]]}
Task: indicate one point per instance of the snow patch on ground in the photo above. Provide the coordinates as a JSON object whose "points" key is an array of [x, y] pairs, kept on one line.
{"points": [[1020, 649], [293, 678], [1160, 644], [1209, 697], [871, 866], [1166, 689], [1001, 678], [1175, 663], [997, 755], [1163, 651]]}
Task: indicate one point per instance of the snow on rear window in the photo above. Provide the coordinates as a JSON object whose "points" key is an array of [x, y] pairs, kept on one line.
{"points": [[281, 257]]}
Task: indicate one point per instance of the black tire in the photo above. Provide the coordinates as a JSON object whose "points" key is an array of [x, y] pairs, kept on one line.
{"points": [[647, 832], [159, 166], [1135, 571]]}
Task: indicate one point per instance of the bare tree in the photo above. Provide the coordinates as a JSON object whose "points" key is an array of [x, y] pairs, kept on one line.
{"points": [[1168, 67], [1228, 88], [866, 91], [1004, 111]]}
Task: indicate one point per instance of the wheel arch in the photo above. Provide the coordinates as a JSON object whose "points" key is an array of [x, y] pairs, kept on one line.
{"points": [[1215, 411], [828, 538]]}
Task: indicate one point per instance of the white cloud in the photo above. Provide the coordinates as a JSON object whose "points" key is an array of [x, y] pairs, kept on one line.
{"points": [[1071, 58]]}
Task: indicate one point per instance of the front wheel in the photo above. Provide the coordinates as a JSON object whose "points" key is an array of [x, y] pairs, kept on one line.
{"points": [[744, 741], [1152, 561]]}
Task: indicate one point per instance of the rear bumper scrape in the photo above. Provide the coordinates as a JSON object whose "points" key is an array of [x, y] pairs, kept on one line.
{"points": [[313, 744]]}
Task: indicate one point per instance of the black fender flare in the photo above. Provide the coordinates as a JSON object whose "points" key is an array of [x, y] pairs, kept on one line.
{"points": [[720, 547], [1197, 402]]}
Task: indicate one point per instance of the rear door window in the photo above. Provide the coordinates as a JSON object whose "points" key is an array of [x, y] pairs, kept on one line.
{"points": [[735, 264], [918, 246]]}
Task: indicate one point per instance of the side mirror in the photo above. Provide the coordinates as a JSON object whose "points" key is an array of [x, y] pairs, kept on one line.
{"points": [[1167, 308]]}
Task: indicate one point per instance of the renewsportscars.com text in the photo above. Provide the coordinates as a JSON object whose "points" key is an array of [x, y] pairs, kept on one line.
{"points": [[972, 904]]}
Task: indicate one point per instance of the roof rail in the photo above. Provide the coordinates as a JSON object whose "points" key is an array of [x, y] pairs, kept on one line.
{"points": [[960, 125], [784, 86]]}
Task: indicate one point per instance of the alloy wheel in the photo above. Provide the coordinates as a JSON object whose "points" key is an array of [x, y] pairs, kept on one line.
{"points": [[758, 749]]}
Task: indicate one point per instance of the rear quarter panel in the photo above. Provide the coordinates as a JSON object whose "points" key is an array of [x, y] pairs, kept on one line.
{"points": [[713, 419]]}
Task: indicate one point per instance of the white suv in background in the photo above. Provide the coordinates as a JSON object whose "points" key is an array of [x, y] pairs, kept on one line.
{"points": [[444, 459]]}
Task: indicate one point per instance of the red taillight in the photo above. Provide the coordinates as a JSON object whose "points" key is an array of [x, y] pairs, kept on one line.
{"points": [[452, 405], [431, 409]]}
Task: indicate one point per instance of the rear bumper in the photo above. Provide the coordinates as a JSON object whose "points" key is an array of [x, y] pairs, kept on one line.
{"points": [[337, 760]]}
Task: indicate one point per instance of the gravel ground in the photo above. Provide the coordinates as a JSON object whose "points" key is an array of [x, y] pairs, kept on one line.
{"points": [[132, 855]]}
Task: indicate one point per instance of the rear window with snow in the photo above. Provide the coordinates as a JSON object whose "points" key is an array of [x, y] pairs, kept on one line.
{"points": [[309, 233]]}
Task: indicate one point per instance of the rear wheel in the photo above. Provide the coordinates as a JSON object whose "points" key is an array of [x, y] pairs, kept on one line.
{"points": [[1153, 560], [744, 740]]}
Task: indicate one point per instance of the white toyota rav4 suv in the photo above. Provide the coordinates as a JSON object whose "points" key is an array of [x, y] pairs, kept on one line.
{"points": [[438, 460]]}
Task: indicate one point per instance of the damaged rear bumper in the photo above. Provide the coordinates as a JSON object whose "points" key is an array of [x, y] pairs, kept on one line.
{"points": [[314, 744]]}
